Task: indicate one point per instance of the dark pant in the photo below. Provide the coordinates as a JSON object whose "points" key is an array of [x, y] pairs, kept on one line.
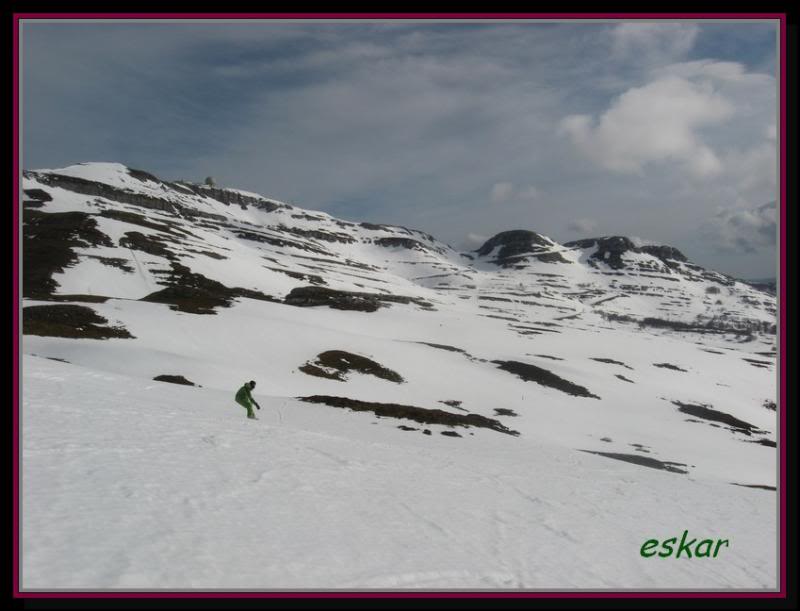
{"points": [[245, 404]]}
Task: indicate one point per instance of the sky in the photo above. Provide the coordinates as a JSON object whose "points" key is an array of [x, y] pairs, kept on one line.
{"points": [[665, 132]]}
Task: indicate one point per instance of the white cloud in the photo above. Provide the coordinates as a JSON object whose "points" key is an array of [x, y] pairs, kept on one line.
{"points": [[639, 241], [753, 172], [732, 72], [743, 229], [655, 123], [502, 192], [582, 226], [472, 241]]}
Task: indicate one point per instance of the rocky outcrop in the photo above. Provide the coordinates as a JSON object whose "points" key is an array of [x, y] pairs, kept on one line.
{"points": [[610, 251], [90, 187], [229, 197], [310, 296], [514, 245]]}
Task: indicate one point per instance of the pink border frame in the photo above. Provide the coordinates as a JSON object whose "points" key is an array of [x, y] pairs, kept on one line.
{"points": [[781, 17]]}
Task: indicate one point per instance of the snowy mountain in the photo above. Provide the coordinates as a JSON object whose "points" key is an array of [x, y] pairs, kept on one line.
{"points": [[525, 415]]}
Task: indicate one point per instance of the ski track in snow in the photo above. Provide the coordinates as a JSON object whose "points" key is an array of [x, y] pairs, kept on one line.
{"points": [[188, 482]]}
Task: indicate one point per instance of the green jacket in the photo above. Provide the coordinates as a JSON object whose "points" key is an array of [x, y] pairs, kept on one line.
{"points": [[243, 395]]}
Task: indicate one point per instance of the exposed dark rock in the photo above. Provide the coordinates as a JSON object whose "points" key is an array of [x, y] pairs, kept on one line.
{"points": [[623, 378], [611, 362], [669, 366], [532, 373], [761, 364], [48, 240], [764, 442], [443, 347], [768, 404], [144, 176], [705, 412], [401, 243], [207, 253], [174, 380], [336, 364], [135, 219], [409, 412], [117, 262], [80, 298], [644, 461], [759, 486], [664, 253], [152, 245], [403, 427], [714, 325], [229, 197], [310, 296], [376, 227], [71, 321], [502, 411], [450, 434], [426, 432], [90, 187], [40, 195], [316, 234], [312, 278], [610, 250], [195, 294], [279, 242], [514, 244]]}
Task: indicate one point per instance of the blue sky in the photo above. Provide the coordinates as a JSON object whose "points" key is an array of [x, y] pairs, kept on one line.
{"points": [[661, 131]]}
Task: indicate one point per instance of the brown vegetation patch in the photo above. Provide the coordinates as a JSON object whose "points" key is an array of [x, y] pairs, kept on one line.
{"points": [[502, 411], [611, 362], [82, 298], [705, 412], [409, 412], [759, 486], [310, 296], [644, 461], [135, 219], [173, 380], [152, 245], [670, 366], [48, 240], [532, 373], [336, 364], [72, 321], [195, 294]]}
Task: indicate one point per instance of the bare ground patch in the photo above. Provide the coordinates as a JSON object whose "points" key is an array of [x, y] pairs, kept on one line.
{"points": [[532, 373], [644, 461], [66, 320], [410, 412], [336, 364]]}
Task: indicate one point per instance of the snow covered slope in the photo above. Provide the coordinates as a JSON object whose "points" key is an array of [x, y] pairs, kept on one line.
{"points": [[522, 416]]}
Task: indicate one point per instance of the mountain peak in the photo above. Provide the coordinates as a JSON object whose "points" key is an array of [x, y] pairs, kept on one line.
{"points": [[508, 247], [611, 248]]}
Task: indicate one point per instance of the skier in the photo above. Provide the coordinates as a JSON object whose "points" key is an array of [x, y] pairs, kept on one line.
{"points": [[245, 399]]}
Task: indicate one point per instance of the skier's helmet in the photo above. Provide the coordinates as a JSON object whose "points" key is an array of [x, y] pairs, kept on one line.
{"points": [[252, 384]]}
